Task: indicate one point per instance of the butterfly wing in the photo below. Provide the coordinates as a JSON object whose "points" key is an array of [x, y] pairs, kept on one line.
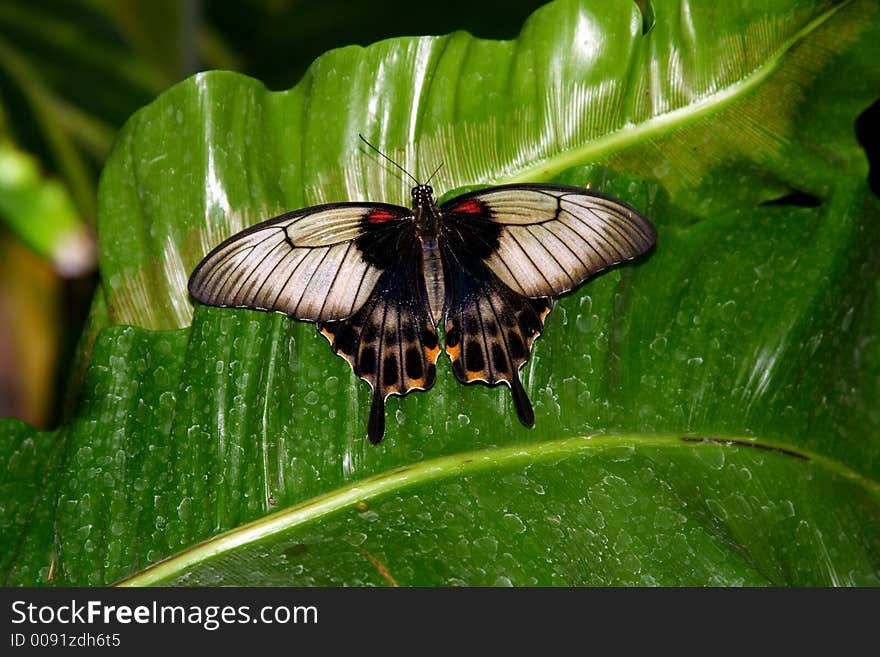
{"points": [[506, 251], [543, 240], [318, 264], [391, 341], [489, 328], [354, 268]]}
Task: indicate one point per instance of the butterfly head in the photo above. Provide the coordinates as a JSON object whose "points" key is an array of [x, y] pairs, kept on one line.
{"points": [[423, 195]]}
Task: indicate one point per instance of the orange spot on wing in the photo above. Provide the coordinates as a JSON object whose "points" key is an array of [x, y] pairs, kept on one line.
{"points": [[327, 334], [452, 351], [473, 376], [432, 354], [417, 383]]}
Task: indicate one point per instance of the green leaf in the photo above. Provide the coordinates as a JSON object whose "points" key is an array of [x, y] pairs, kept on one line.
{"points": [[589, 511], [704, 416]]}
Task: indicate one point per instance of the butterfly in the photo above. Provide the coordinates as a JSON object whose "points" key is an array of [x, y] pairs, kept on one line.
{"points": [[378, 279]]}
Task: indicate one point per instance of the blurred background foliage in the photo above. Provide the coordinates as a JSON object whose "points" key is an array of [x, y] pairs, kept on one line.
{"points": [[73, 71]]}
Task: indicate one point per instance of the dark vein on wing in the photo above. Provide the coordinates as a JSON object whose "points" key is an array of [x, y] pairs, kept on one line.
{"points": [[503, 334], [305, 289], [604, 260], [356, 357], [289, 276], [609, 223], [271, 273], [529, 258], [462, 332], [602, 235], [228, 256], [357, 294], [249, 278], [509, 270], [380, 361], [550, 253], [221, 270], [631, 219], [335, 277], [485, 344], [422, 354], [236, 278], [590, 268], [563, 243], [569, 231]]}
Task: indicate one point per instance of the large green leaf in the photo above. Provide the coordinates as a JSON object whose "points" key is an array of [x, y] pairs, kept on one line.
{"points": [[705, 416]]}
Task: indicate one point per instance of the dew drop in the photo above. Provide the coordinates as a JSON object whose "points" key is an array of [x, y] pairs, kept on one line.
{"points": [[658, 345]]}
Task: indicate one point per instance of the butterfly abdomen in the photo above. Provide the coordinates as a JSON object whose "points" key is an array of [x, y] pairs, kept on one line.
{"points": [[432, 268]]}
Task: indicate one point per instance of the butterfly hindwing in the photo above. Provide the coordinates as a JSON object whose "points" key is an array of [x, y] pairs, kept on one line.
{"points": [[543, 240], [320, 263], [391, 341], [490, 329]]}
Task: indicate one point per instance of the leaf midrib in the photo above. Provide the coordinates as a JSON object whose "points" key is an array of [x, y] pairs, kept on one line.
{"points": [[656, 126], [460, 464]]}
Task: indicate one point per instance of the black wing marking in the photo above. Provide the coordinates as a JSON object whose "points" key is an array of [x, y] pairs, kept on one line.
{"points": [[390, 342], [543, 240], [316, 264], [490, 329]]}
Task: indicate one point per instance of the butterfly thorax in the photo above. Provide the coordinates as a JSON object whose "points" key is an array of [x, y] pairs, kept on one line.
{"points": [[427, 217]]}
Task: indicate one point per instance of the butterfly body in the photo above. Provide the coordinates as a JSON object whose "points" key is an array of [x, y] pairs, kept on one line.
{"points": [[379, 279], [428, 217]]}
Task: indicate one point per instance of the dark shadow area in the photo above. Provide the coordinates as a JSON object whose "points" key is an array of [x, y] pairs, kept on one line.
{"points": [[798, 198], [646, 9], [76, 303], [867, 134], [292, 34]]}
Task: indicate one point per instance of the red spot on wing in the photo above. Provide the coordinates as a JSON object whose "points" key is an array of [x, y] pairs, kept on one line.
{"points": [[378, 216], [471, 206]]}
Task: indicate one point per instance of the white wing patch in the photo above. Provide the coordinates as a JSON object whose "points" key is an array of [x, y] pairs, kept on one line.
{"points": [[327, 227], [305, 264], [554, 238], [522, 205]]}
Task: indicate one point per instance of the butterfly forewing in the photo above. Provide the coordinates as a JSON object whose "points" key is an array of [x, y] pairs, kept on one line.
{"points": [[543, 240], [320, 263]]}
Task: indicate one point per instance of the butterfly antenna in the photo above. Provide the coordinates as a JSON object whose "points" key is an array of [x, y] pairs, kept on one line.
{"points": [[434, 174], [363, 139]]}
